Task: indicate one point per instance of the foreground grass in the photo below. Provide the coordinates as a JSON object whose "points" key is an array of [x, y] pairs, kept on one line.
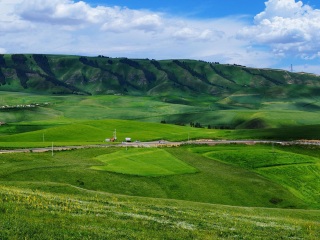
{"points": [[33, 214], [61, 197]]}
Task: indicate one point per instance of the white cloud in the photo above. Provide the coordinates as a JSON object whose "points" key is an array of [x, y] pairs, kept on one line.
{"points": [[185, 33], [9, 21], [74, 15], [59, 12], [283, 8], [2, 51], [76, 27], [104, 28], [288, 27], [123, 19]]}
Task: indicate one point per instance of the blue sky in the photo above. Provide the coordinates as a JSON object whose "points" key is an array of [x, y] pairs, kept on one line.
{"points": [[198, 9], [266, 34], [191, 8]]}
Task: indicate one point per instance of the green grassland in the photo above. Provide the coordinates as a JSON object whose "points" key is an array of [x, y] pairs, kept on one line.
{"points": [[189, 192], [41, 194], [143, 162], [67, 133], [297, 172], [207, 111], [81, 214], [189, 175], [91, 119]]}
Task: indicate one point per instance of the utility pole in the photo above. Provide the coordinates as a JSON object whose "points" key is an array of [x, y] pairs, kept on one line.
{"points": [[115, 134]]}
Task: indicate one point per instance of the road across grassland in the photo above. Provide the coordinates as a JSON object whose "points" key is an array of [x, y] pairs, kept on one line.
{"points": [[163, 143]]}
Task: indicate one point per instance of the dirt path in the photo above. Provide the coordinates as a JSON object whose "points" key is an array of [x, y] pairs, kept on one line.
{"points": [[162, 144]]}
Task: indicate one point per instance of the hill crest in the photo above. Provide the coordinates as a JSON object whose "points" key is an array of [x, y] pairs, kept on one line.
{"points": [[63, 74]]}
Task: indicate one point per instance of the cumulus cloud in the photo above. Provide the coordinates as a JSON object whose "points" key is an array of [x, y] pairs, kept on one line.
{"points": [[288, 27], [187, 33], [57, 12], [62, 15], [123, 19], [74, 15], [283, 8], [9, 21], [76, 27]]}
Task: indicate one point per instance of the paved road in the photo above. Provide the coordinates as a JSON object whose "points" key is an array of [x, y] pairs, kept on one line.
{"points": [[163, 144]]}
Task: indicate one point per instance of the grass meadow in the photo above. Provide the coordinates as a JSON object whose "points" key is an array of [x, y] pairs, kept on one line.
{"points": [[67, 133], [54, 111], [34, 214], [297, 172], [188, 192], [62, 196], [196, 173]]}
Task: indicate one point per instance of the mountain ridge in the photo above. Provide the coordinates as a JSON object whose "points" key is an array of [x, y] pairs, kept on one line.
{"points": [[65, 74]]}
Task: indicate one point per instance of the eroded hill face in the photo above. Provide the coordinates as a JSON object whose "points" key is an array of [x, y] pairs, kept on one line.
{"points": [[183, 78]]}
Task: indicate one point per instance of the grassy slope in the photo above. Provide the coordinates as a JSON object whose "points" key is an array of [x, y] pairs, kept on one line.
{"points": [[60, 197], [297, 172], [245, 188], [65, 113], [177, 81], [65, 132], [249, 98], [269, 114], [86, 215]]}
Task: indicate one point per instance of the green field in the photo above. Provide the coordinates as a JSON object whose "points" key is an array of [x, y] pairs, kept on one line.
{"points": [[183, 174], [92, 119], [38, 190], [188, 173], [67, 132], [188, 192], [297, 172], [143, 162]]}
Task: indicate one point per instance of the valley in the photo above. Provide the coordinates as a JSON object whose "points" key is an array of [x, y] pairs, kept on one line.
{"points": [[246, 163]]}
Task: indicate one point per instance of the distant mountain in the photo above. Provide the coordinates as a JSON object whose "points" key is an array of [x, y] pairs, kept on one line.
{"points": [[54, 74]]}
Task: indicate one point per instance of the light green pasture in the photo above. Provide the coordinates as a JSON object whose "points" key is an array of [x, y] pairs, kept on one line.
{"points": [[202, 109], [299, 173], [143, 162]]}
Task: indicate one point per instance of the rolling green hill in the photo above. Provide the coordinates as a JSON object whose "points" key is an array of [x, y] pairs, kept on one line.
{"points": [[230, 195], [50, 213], [103, 75], [188, 192], [174, 91]]}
